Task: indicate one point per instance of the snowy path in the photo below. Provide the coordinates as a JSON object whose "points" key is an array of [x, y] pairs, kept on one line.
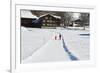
{"points": [[73, 46], [48, 53], [70, 54]]}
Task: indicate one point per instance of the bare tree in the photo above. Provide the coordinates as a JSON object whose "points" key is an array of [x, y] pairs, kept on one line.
{"points": [[68, 17], [85, 19]]}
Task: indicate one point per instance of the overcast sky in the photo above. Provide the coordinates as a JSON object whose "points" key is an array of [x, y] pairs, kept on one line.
{"points": [[76, 15]]}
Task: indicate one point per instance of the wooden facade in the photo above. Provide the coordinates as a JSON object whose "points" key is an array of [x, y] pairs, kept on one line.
{"points": [[46, 20], [49, 20]]}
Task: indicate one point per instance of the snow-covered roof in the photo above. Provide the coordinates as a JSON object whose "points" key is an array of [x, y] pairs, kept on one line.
{"points": [[77, 20], [56, 16], [51, 15], [27, 14]]}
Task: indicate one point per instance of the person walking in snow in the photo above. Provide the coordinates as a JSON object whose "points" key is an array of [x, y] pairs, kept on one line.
{"points": [[59, 36], [55, 37]]}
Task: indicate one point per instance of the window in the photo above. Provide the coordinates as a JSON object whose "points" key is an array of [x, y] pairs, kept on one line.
{"points": [[43, 24], [43, 20], [46, 17], [48, 20]]}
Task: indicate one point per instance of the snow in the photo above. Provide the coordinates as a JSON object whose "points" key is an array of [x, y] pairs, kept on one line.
{"points": [[79, 28], [77, 44], [23, 28], [52, 51], [31, 40], [56, 16], [39, 45], [51, 15], [27, 14]]}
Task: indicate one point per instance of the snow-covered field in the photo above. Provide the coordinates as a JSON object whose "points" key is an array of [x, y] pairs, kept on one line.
{"points": [[39, 45]]}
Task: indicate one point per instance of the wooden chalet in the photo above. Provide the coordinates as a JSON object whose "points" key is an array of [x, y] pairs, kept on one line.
{"points": [[50, 20]]}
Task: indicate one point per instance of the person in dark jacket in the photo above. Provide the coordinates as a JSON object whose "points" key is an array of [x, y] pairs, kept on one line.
{"points": [[59, 36], [55, 37]]}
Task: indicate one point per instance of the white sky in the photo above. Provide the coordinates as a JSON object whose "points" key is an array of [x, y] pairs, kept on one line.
{"points": [[76, 15]]}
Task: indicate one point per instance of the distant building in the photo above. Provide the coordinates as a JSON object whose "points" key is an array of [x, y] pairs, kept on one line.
{"points": [[77, 22], [50, 20]]}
